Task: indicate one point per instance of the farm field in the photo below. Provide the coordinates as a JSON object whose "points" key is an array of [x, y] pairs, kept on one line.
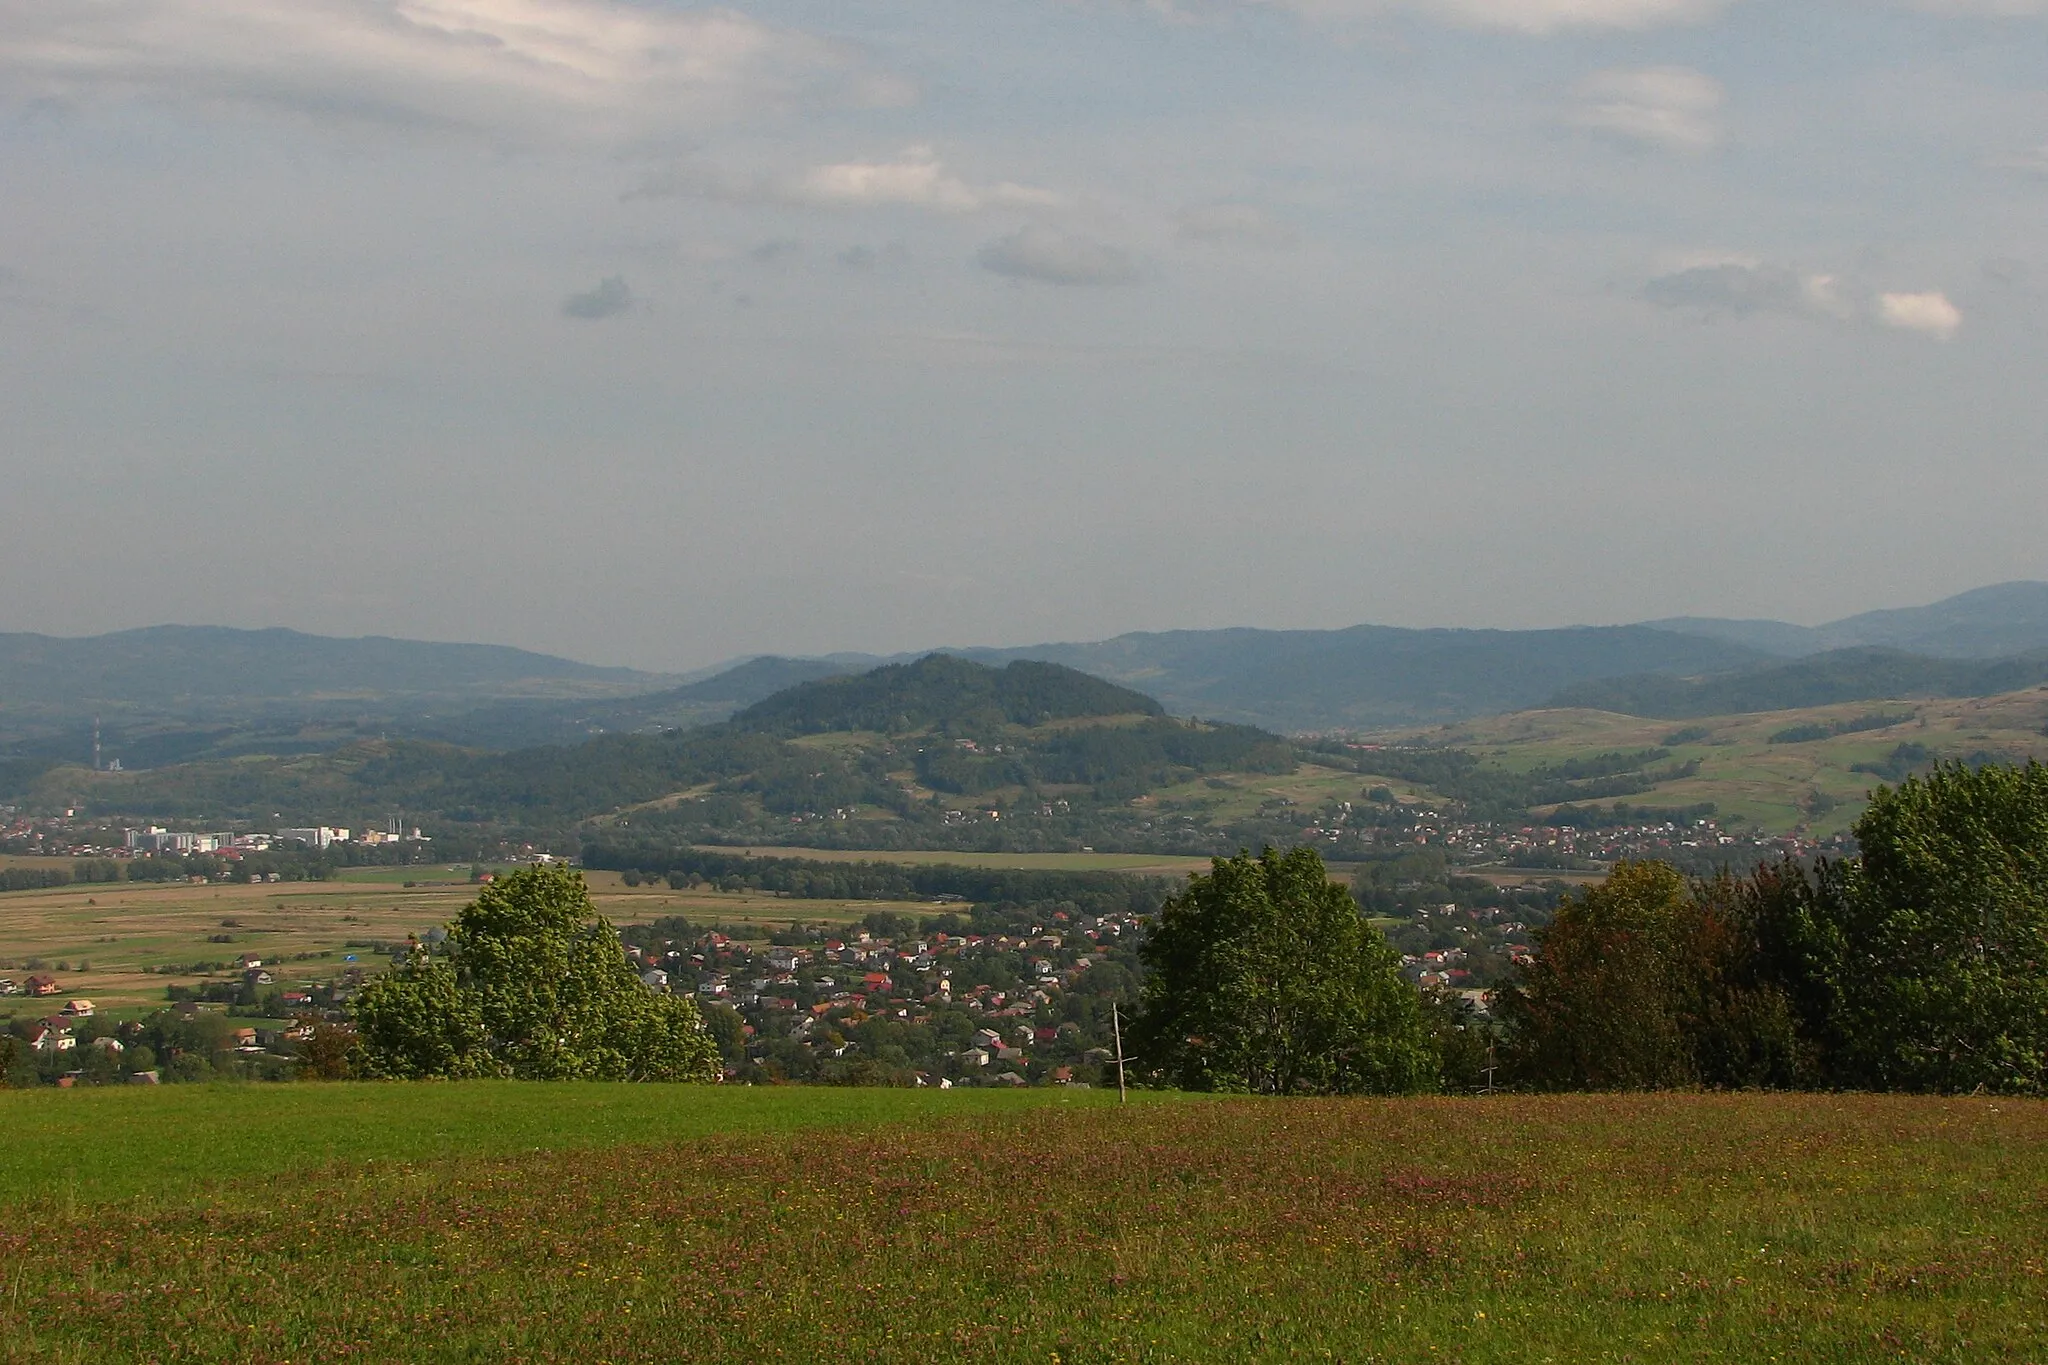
{"points": [[96, 939], [1582, 1228], [1770, 785], [1142, 864]]}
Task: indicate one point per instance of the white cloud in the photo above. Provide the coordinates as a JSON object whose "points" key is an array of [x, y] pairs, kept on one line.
{"points": [[1035, 253], [915, 179], [1233, 225], [520, 68], [1671, 107], [1535, 17], [1742, 287], [1930, 314]]}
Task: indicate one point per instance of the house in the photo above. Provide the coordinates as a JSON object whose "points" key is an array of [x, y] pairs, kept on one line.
{"points": [[41, 985], [145, 1078], [77, 1009], [8, 986], [242, 1037], [43, 1038], [109, 1045], [654, 978]]}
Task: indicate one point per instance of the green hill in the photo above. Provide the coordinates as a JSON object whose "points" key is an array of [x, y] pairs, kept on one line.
{"points": [[1841, 675], [942, 690], [890, 759]]}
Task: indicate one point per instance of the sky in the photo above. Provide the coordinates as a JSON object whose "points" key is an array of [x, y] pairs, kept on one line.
{"points": [[658, 334]]}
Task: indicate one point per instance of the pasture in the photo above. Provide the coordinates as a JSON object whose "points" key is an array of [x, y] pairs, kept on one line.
{"points": [[1810, 1228]]}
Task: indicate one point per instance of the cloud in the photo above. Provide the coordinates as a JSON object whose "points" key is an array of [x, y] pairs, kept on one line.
{"points": [[1035, 253], [776, 249], [1743, 288], [1671, 107], [1534, 17], [608, 299], [1930, 314], [550, 69], [862, 257], [2034, 162], [1992, 9], [915, 179], [1233, 225]]}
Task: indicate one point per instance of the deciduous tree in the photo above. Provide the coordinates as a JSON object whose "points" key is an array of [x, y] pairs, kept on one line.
{"points": [[530, 984], [1265, 977]]}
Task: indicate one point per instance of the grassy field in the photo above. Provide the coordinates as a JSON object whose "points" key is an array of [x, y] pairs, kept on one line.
{"points": [[193, 1142], [96, 939], [1642, 1228], [1745, 774]]}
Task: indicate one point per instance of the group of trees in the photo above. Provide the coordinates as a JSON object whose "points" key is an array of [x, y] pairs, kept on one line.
{"points": [[1921, 964]]}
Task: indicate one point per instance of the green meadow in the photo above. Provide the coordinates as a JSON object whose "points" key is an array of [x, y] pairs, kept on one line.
{"points": [[590, 1223]]}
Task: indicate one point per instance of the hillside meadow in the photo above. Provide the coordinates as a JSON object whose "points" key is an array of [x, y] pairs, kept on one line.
{"points": [[911, 1228], [1770, 783]]}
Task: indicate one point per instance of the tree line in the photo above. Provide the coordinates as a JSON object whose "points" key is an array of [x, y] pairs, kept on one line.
{"points": [[1920, 964]]}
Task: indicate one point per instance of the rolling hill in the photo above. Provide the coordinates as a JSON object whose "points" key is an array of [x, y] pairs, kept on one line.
{"points": [[1842, 675], [1984, 623]]}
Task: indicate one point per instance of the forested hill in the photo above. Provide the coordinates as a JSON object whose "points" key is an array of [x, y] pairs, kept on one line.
{"points": [[1824, 679], [164, 665], [941, 690], [1030, 744]]}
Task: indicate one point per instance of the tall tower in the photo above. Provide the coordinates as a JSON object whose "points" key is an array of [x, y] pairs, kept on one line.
{"points": [[95, 743]]}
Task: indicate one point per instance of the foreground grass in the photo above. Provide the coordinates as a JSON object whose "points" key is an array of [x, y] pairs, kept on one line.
{"points": [[1665, 1228], [187, 1142]]}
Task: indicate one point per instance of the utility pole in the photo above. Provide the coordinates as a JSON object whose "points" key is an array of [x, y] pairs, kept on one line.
{"points": [[1117, 1031]]}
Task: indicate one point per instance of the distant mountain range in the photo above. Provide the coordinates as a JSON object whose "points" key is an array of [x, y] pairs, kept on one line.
{"points": [[1984, 623], [165, 683], [164, 666]]}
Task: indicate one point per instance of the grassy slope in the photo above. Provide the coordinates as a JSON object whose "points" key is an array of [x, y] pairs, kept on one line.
{"points": [[1746, 775], [186, 1142], [1590, 1228]]}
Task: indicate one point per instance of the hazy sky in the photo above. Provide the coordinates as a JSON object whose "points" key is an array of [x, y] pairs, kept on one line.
{"points": [[658, 334]]}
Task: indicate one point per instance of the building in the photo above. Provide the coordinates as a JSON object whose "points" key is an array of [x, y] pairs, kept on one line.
{"points": [[316, 836], [157, 839]]}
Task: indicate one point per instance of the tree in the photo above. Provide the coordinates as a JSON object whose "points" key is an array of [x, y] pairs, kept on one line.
{"points": [[1265, 977], [530, 985], [1646, 981], [1939, 937]]}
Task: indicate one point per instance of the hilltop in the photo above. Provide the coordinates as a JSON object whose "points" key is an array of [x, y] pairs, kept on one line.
{"points": [[944, 691], [940, 749]]}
